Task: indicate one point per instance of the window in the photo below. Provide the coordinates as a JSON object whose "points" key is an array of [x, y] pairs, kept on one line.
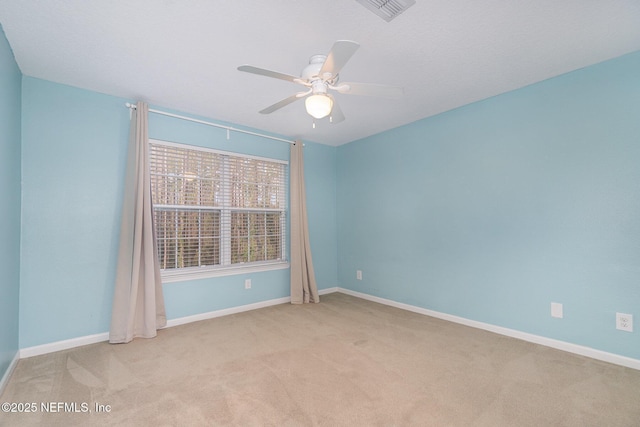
{"points": [[216, 211]]}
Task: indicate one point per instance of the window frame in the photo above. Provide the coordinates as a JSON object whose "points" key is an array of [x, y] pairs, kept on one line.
{"points": [[201, 272]]}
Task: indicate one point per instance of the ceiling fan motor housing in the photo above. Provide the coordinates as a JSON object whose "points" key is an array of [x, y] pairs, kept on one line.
{"points": [[312, 71]]}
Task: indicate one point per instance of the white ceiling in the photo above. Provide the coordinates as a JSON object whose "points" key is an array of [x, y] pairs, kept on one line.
{"points": [[183, 54]]}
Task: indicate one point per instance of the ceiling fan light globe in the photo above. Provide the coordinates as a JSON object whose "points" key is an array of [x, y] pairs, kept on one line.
{"points": [[318, 106]]}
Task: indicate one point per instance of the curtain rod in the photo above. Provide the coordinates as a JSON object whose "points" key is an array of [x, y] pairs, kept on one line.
{"points": [[228, 128]]}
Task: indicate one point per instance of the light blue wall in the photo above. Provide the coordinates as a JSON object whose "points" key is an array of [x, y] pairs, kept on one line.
{"points": [[74, 147], [320, 181], [73, 156], [494, 210], [10, 98]]}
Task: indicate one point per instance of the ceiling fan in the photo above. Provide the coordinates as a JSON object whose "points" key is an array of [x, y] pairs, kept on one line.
{"points": [[320, 76]]}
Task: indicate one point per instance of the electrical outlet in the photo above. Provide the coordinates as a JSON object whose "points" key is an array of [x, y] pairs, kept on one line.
{"points": [[556, 310], [247, 283], [359, 274], [624, 322]]}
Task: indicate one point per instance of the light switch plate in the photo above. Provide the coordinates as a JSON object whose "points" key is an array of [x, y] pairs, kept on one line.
{"points": [[556, 310]]}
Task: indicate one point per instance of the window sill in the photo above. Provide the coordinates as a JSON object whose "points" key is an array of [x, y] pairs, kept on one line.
{"points": [[203, 273]]}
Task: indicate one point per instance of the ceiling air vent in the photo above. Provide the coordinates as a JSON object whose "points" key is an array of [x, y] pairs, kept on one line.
{"points": [[387, 9]]}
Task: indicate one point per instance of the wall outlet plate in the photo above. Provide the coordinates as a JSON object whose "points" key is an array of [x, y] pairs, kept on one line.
{"points": [[359, 274], [556, 310], [247, 284], [624, 322]]}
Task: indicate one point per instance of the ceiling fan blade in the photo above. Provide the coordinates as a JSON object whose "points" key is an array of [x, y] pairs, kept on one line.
{"points": [[336, 115], [369, 89], [341, 52], [268, 73], [280, 104]]}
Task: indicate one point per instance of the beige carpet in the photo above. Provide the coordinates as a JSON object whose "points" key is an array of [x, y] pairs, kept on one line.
{"points": [[343, 362]]}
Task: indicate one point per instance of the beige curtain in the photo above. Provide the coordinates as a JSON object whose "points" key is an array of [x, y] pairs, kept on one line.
{"points": [[138, 303], [303, 281]]}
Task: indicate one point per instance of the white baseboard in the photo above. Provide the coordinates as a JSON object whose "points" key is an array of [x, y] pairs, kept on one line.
{"points": [[239, 309], [37, 350], [12, 366], [226, 311], [536, 339]]}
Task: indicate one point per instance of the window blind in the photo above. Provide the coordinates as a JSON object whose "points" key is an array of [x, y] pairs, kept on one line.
{"points": [[214, 209]]}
